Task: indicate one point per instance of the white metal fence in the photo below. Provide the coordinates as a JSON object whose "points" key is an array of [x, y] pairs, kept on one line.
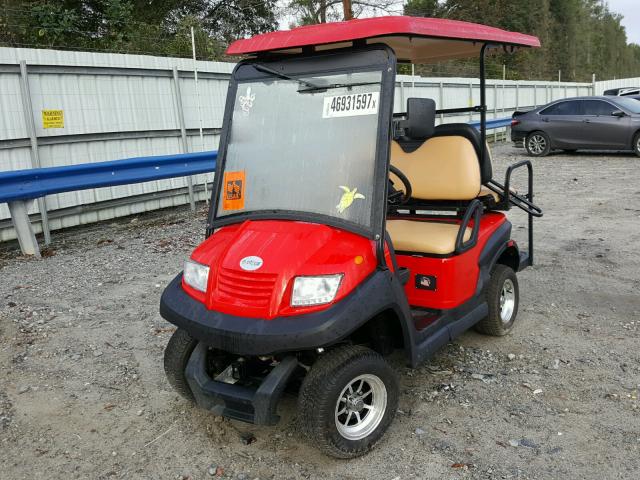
{"points": [[61, 108]]}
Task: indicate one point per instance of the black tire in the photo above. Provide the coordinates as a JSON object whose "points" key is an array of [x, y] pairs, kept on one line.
{"points": [[636, 144], [494, 324], [176, 356], [538, 144], [325, 384]]}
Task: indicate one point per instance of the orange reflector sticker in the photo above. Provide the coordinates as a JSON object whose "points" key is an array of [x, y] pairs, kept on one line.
{"points": [[233, 194], [358, 260]]}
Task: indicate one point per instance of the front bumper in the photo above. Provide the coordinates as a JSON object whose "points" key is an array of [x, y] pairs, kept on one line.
{"points": [[235, 401], [256, 336]]}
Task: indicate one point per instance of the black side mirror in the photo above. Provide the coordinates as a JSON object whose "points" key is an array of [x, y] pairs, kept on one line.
{"points": [[618, 113]]}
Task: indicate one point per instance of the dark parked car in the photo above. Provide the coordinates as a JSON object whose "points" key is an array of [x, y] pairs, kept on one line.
{"points": [[583, 123]]}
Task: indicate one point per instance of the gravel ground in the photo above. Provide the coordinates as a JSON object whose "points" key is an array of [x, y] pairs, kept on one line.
{"points": [[83, 393]]}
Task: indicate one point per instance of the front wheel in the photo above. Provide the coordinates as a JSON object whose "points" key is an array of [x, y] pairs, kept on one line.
{"points": [[502, 297], [176, 356], [636, 144], [347, 401], [538, 144]]}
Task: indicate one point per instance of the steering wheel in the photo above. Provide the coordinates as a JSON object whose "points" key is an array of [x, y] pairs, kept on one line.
{"points": [[398, 197]]}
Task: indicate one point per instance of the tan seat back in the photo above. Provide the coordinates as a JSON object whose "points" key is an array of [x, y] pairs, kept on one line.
{"points": [[442, 168]]}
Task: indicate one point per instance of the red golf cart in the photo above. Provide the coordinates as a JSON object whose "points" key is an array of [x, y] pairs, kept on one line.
{"points": [[340, 230]]}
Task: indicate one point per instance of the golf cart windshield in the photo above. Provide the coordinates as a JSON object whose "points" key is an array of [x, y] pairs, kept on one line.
{"points": [[305, 145]]}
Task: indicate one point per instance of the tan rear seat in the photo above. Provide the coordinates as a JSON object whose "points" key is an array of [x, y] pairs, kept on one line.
{"points": [[484, 191]]}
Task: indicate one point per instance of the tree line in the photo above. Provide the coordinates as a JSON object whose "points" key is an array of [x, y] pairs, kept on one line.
{"points": [[579, 37]]}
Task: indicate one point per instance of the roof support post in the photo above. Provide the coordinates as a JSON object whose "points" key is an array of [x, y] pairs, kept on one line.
{"points": [[27, 108], [483, 103]]}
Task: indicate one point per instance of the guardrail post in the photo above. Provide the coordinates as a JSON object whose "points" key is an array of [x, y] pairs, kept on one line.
{"points": [[27, 108], [21, 224], [183, 132]]}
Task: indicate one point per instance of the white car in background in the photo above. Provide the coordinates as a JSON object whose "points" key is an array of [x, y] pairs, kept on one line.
{"points": [[622, 92]]}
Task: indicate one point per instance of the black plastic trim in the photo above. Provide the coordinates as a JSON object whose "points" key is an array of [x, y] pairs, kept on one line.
{"points": [[254, 336], [242, 403], [473, 210], [450, 324]]}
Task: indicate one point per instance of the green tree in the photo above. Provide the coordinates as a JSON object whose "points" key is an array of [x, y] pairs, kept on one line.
{"points": [[308, 12], [138, 26]]}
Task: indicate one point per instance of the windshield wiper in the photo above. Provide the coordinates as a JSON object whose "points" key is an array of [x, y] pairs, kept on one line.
{"points": [[311, 87], [330, 86], [284, 76]]}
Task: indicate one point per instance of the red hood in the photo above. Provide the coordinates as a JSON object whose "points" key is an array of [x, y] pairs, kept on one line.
{"points": [[261, 287]]}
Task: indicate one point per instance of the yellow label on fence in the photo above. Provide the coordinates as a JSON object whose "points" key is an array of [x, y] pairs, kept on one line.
{"points": [[52, 118]]}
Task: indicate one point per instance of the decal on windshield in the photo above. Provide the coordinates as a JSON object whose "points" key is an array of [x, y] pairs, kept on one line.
{"points": [[347, 198], [351, 105], [233, 194], [246, 101]]}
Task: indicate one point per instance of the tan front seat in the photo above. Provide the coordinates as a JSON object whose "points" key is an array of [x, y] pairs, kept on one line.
{"points": [[442, 168], [437, 238]]}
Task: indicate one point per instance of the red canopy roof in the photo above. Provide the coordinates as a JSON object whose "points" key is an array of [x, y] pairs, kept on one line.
{"points": [[415, 39]]}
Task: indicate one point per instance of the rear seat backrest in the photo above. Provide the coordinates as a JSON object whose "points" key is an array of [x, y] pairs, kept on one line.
{"points": [[442, 168]]}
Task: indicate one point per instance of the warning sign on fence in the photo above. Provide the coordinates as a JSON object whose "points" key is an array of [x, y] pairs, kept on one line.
{"points": [[52, 118]]}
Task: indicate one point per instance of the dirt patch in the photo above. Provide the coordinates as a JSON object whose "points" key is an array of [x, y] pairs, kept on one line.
{"points": [[83, 393]]}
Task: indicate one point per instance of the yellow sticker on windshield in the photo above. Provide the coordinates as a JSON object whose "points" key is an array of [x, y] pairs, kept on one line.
{"points": [[233, 195], [347, 198]]}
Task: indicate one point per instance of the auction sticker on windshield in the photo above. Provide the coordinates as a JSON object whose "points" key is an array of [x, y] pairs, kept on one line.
{"points": [[351, 105], [233, 195]]}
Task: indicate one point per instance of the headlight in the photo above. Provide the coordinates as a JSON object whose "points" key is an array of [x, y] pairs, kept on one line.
{"points": [[196, 275], [315, 290]]}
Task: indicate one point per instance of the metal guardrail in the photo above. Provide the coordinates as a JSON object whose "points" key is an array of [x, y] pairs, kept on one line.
{"points": [[19, 188], [37, 182], [496, 123]]}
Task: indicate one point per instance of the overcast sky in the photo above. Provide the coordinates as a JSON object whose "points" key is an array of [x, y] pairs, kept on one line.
{"points": [[631, 21]]}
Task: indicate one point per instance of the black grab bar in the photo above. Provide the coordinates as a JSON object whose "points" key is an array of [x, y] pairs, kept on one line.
{"points": [[524, 202]]}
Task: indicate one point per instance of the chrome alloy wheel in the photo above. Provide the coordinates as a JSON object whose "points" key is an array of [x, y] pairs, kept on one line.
{"points": [[361, 407], [507, 300], [537, 144]]}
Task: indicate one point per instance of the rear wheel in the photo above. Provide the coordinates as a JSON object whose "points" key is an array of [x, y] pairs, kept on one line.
{"points": [[347, 401], [176, 356], [538, 144], [502, 297], [636, 144]]}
